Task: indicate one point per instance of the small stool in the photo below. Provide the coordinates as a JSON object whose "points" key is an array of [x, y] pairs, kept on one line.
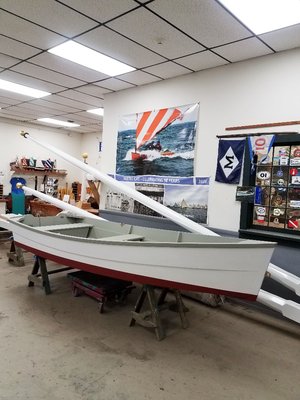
{"points": [[151, 318]]}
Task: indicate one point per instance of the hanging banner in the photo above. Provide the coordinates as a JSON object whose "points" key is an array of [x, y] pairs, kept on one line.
{"points": [[158, 142], [230, 158], [188, 197], [260, 147]]}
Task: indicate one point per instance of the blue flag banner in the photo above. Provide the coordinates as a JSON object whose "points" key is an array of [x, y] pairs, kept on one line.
{"points": [[230, 158]]}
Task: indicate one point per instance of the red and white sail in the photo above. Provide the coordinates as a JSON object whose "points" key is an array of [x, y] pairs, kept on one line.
{"points": [[152, 122]]}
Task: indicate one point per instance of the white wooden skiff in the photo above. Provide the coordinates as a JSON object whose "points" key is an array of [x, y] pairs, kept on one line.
{"points": [[190, 261]]}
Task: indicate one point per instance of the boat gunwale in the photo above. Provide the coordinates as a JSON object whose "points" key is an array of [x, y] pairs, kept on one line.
{"points": [[239, 243]]}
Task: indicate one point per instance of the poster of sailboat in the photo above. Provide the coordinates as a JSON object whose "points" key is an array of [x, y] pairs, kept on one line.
{"points": [[159, 142], [190, 201]]}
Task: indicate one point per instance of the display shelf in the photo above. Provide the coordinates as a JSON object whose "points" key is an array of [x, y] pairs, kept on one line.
{"points": [[39, 171], [274, 212]]}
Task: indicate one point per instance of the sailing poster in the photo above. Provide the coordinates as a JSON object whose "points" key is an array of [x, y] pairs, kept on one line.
{"points": [[187, 195], [159, 142], [190, 201]]}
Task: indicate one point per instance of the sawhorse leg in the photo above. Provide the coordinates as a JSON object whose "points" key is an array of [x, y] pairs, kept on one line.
{"points": [[151, 318], [15, 255], [40, 264], [153, 313]]}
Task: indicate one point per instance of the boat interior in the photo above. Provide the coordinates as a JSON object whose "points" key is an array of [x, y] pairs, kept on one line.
{"points": [[118, 232]]}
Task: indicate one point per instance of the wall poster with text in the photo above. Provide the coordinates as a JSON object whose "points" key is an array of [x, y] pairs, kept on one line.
{"points": [[187, 196]]}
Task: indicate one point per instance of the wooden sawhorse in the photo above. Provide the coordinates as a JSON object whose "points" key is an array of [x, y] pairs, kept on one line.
{"points": [[15, 255], [43, 275], [151, 318]]}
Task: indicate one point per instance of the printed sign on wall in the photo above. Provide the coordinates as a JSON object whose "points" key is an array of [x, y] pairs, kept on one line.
{"points": [[159, 142]]}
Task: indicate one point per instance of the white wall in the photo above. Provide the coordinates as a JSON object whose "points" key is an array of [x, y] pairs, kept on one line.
{"points": [[90, 145], [261, 90], [13, 145]]}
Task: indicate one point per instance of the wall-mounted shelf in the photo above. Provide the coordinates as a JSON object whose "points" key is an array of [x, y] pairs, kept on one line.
{"points": [[39, 171]]}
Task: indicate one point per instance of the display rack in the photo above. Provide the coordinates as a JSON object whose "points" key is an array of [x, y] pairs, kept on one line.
{"points": [[275, 211]]}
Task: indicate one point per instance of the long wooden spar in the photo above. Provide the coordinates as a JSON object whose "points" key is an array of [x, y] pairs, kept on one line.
{"points": [[121, 187], [78, 212]]}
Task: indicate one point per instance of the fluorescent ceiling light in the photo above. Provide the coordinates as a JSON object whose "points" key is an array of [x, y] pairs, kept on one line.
{"points": [[27, 91], [263, 16], [58, 122], [90, 58], [98, 111]]}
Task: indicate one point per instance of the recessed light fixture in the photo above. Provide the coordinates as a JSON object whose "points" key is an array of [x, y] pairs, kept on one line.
{"points": [[25, 90], [98, 111], [90, 58], [58, 122], [263, 16]]}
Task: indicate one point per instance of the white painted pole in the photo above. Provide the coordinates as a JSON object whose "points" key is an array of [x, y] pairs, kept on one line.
{"points": [[83, 183], [285, 278], [119, 186], [288, 308], [58, 203]]}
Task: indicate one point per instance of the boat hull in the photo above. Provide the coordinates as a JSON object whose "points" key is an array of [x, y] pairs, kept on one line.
{"points": [[229, 269], [138, 156]]}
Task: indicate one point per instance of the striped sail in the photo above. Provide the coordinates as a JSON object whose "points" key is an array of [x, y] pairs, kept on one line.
{"points": [[152, 122]]}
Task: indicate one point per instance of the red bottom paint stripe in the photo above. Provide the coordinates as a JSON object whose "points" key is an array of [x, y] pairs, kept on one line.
{"points": [[144, 280]]}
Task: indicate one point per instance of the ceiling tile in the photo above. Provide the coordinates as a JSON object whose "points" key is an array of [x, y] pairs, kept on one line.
{"points": [[101, 10], [200, 61], [152, 32], [93, 90], [16, 49], [88, 117], [9, 100], [10, 95], [206, 21], [167, 70], [22, 112], [47, 75], [139, 78], [243, 50], [39, 110], [114, 84], [25, 80], [83, 118], [66, 67], [28, 33], [85, 98], [89, 128], [7, 61], [6, 114], [16, 112], [283, 39], [61, 108], [116, 46], [51, 15], [68, 102]]}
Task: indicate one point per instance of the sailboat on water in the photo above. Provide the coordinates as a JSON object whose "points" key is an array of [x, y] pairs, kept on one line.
{"points": [[149, 124]]}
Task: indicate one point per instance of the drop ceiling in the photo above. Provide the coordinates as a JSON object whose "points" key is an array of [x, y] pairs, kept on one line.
{"points": [[160, 38]]}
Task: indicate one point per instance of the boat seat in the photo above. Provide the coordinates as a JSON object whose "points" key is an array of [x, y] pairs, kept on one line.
{"points": [[124, 238], [63, 227]]}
